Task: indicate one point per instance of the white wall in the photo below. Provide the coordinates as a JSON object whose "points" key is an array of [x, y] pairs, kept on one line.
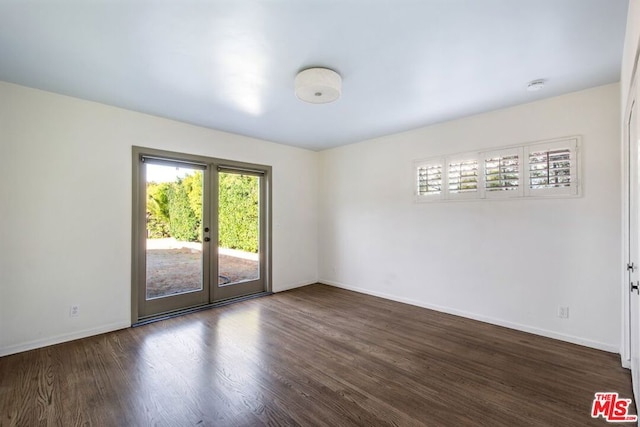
{"points": [[58, 153], [506, 262], [65, 210], [631, 39]]}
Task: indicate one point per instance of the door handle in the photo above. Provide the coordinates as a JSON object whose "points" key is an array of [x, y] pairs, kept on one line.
{"points": [[635, 287]]}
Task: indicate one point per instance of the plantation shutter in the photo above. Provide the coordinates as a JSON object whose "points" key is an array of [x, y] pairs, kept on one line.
{"points": [[539, 169], [552, 168], [463, 177], [429, 179], [503, 173]]}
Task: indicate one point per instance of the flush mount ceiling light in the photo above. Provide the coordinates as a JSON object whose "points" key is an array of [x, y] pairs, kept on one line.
{"points": [[318, 85], [535, 85]]}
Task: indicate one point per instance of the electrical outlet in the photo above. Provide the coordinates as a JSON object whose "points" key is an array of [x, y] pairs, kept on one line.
{"points": [[74, 311], [563, 312]]}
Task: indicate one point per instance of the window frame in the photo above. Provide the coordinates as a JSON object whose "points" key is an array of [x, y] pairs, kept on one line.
{"points": [[574, 188], [524, 191], [423, 164], [460, 195], [518, 192]]}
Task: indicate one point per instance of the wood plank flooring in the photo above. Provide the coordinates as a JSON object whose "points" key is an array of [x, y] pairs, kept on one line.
{"points": [[316, 355]]}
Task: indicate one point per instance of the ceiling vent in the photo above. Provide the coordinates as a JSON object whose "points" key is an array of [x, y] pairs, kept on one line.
{"points": [[535, 85]]}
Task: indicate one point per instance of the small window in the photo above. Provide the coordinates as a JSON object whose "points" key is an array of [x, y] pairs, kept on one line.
{"points": [[552, 168], [543, 169], [463, 177], [429, 179], [503, 173]]}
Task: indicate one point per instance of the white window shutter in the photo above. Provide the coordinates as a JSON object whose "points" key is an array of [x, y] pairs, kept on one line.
{"points": [[552, 168], [429, 179], [503, 173], [463, 177], [544, 169]]}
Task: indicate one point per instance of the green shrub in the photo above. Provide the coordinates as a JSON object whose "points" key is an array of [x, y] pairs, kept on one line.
{"points": [[183, 223], [238, 211], [175, 210], [158, 210]]}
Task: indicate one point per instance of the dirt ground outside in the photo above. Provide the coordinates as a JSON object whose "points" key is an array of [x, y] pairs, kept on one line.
{"points": [[176, 267]]}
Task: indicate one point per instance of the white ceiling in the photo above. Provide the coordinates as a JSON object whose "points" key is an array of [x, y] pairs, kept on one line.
{"points": [[230, 64]]}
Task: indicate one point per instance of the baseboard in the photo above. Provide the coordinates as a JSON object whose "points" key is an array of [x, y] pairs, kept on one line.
{"points": [[31, 345], [294, 285], [499, 322], [58, 339]]}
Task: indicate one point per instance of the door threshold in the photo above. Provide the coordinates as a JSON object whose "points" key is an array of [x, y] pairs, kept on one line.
{"points": [[182, 312]]}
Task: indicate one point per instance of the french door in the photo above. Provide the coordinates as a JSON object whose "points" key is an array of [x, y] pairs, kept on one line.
{"points": [[201, 231]]}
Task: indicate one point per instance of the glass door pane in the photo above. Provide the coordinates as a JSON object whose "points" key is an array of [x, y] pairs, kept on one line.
{"points": [[174, 207], [238, 228], [200, 231]]}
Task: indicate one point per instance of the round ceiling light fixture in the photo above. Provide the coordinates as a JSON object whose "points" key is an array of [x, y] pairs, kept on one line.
{"points": [[535, 85], [318, 85]]}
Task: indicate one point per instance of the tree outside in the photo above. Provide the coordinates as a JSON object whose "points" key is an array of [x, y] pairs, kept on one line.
{"points": [[174, 209], [174, 230]]}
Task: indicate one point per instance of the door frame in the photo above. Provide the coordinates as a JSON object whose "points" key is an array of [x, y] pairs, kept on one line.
{"points": [[625, 351], [138, 227], [176, 301], [226, 292], [631, 323]]}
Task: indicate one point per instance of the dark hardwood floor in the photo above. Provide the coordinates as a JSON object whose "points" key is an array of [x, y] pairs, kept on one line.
{"points": [[311, 356]]}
